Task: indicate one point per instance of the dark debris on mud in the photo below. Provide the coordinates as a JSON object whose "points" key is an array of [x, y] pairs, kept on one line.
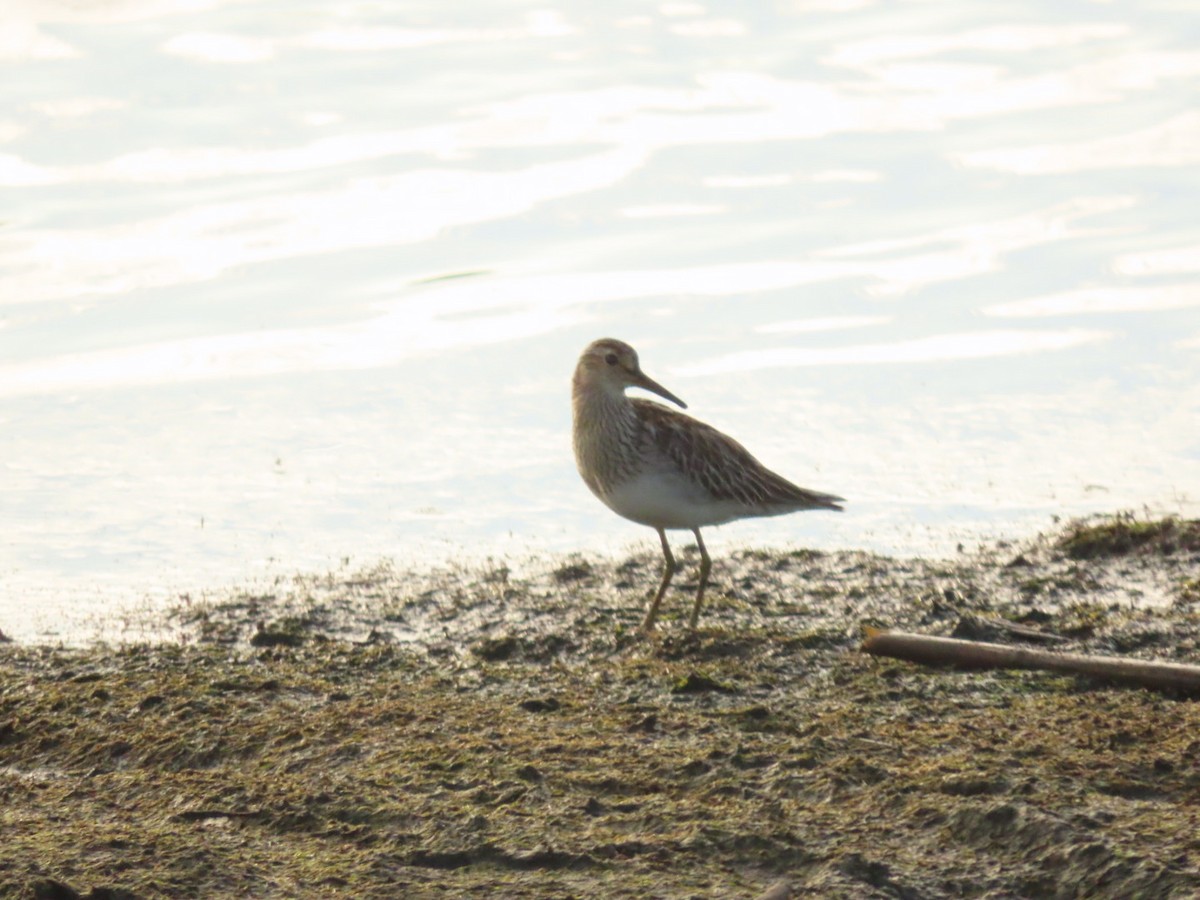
{"points": [[500, 734]]}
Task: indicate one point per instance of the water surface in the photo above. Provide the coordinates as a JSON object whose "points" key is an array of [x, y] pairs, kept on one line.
{"points": [[299, 286]]}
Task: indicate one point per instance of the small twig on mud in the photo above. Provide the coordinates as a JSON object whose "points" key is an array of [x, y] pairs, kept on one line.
{"points": [[920, 648], [982, 628]]}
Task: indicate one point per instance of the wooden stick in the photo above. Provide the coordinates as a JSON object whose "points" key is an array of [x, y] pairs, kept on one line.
{"points": [[921, 648]]}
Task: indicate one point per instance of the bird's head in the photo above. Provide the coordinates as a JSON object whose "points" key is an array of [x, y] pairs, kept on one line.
{"points": [[611, 366]]}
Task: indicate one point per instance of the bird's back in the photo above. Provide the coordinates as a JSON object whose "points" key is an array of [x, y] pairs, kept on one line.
{"points": [[719, 467]]}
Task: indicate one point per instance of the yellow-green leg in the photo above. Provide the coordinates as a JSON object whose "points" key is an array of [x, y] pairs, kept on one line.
{"points": [[668, 573], [705, 568]]}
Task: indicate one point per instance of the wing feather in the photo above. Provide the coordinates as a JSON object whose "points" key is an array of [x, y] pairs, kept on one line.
{"points": [[719, 464]]}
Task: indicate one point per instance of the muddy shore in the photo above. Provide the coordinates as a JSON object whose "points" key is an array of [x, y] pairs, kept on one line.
{"points": [[470, 733]]}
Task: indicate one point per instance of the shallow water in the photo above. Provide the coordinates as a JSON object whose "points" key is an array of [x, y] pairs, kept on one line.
{"points": [[296, 286]]}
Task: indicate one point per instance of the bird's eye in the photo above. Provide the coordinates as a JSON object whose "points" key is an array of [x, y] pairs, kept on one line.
{"points": [[611, 359]]}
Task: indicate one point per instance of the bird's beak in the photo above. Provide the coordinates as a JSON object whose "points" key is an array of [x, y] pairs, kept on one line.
{"points": [[644, 381]]}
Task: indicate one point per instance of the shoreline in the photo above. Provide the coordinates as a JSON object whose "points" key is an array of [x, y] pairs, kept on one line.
{"points": [[79, 610], [468, 731]]}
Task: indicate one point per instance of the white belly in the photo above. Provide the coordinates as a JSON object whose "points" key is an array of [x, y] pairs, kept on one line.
{"points": [[664, 499]]}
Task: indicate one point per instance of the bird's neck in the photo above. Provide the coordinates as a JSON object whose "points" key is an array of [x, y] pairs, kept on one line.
{"points": [[605, 435]]}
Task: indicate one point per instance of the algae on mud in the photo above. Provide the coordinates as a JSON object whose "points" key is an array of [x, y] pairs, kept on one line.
{"points": [[475, 734]]}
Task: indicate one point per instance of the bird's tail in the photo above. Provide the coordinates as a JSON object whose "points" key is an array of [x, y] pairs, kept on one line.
{"points": [[817, 500]]}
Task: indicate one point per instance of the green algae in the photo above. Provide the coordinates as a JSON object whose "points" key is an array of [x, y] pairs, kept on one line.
{"points": [[1120, 535]]}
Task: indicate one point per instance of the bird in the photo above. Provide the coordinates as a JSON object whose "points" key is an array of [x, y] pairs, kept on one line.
{"points": [[659, 467]]}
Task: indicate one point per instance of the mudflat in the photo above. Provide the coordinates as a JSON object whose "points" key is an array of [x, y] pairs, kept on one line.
{"points": [[475, 733]]}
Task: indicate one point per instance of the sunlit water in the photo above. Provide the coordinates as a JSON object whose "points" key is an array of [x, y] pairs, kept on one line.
{"points": [[297, 286]]}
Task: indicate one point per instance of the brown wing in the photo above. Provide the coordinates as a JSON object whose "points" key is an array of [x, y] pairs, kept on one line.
{"points": [[721, 465]]}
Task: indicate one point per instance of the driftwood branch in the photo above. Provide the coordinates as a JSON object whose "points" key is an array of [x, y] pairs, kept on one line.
{"points": [[920, 648]]}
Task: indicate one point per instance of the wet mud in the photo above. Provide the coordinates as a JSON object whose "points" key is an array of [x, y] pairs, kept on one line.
{"points": [[478, 732]]}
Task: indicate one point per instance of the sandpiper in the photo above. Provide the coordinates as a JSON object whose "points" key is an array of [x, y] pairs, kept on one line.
{"points": [[661, 468]]}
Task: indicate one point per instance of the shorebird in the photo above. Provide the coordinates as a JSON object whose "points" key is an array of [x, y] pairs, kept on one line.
{"points": [[662, 468]]}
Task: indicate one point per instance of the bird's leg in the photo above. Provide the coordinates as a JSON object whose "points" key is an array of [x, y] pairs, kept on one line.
{"points": [[705, 568], [668, 572]]}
